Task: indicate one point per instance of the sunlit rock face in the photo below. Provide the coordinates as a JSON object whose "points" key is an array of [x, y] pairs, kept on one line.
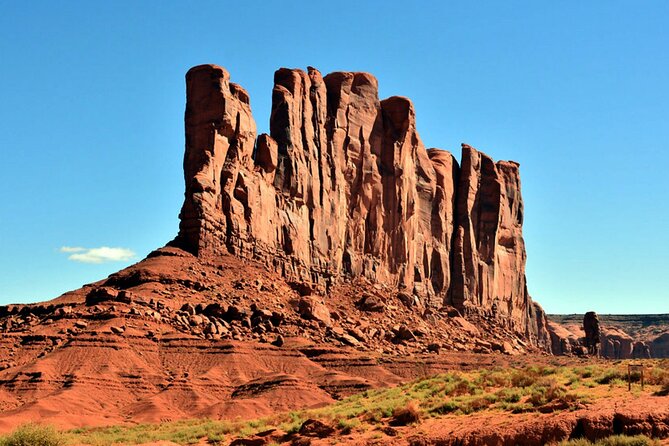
{"points": [[344, 187]]}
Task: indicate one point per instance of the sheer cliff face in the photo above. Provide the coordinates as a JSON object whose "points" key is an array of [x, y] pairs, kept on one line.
{"points": [[489, 254], [344, 187]]}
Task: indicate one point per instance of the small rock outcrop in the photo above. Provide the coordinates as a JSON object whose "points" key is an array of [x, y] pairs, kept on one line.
{"points": [[616, 344], [660, 346], [343, 187], [592, 332]]}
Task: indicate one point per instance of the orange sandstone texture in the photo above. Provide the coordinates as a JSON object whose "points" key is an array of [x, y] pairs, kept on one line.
{"points": [[344, 187]]}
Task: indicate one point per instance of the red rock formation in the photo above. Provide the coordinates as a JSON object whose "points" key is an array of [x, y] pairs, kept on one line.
{"points": [[660, 346], [489, 260], [593, 333], [614, 342], [344, 187]]}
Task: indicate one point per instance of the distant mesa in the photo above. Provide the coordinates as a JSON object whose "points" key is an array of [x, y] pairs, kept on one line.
{"points": [[631, 336]]}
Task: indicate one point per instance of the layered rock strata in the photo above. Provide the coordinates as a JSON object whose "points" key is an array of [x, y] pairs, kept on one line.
{"points": [[344, 187]]}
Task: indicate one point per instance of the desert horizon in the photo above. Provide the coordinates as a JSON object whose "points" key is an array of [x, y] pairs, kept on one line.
{"points": [[457, 241]]}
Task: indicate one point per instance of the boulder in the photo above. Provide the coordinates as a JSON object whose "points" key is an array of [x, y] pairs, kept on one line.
{"points": [[406, 298], [348, 339], [62, 311], [370, 303], [466, 326], [213, 309], [356, 333], [310, 308], [102, 294], [403, 333], [278, 342], [315, 428]]}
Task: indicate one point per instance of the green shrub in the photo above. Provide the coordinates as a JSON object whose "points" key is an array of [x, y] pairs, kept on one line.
{"points": [[347, 425], [664, 386], [493, 378], [476, 404], [33, 435], [549, 391], [607, 377], [448, 407], [523, 378], [541, 370], [623, 440], [463, 387], [585, 372], [510, 395]]}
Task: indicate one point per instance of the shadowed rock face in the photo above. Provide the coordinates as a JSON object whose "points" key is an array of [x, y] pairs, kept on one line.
{"points": [[489, 255], [344, 187], [592, 332]]}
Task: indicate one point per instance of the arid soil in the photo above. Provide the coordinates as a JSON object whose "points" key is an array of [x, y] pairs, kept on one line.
{"points": [[642, 415], [594, 422]]}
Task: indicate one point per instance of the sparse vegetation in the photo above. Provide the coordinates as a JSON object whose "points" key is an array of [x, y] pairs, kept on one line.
{"points": [[659, 376], [511, 390], [664, 386], [33, 435], [409, 414], [617, 375]]}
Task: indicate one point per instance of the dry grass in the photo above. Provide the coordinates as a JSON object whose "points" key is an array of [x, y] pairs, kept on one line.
{"points": [[664, 386], [409, 414], [33, 435]]}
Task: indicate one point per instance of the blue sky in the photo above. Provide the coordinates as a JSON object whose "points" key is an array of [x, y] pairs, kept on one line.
{"points": [[91, 123]]}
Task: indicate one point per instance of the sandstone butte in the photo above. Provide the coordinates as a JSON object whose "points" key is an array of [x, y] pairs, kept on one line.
{"points": [[334, 255], [344, 187]]}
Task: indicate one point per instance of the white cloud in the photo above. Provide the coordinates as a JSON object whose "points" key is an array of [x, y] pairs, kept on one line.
{"points": [[102, 254], [71, 249]]}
